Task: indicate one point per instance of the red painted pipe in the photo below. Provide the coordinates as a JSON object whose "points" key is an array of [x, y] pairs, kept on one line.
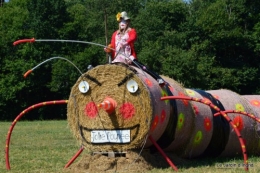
{"points": [[239, 112], [27, 73], [74, 157], [18, 117], [163, 154], [24, 41]]}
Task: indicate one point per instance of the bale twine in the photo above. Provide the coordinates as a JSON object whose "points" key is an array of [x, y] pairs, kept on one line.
{"points": [[232, 101], [254, 101], [185, 119], [201, 134]]}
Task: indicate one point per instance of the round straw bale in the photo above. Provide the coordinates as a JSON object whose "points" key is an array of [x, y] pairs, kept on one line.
{"points": [[133, 110], [185, 119], [233, 101], [161, 109], [254, 101], [203, 127]]}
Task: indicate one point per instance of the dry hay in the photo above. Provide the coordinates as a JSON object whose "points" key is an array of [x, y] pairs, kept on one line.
{"points": [[132, 162], [109, 80]]}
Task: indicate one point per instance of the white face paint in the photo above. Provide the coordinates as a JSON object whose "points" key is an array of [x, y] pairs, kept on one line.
{"points": [[123, 24]]}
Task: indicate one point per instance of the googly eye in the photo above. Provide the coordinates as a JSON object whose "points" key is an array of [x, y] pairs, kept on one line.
{"points": [[132, 86], [83, 86]]}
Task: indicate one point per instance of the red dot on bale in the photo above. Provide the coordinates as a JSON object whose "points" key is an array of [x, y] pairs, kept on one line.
{"points": [[196, 110], [127, 110], [155, 122], [91, 110], [207, 124], [148, 82], [163, 116], [238, 122], [185, 102], [255, 103]]}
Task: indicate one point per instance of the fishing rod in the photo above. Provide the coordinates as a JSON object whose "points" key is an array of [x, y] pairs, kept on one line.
{"points": [[32, 40], [55, 40]]}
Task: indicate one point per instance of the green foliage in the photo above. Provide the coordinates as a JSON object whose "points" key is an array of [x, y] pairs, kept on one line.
{"points": [[202, 44]]}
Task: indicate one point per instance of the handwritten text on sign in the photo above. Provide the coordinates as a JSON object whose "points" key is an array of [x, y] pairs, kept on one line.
{"points": [[110, 136]]}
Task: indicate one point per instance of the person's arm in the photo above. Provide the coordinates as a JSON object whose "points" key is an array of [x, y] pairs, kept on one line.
{"points": [[113, 44], [113, 40], [132, 36]]}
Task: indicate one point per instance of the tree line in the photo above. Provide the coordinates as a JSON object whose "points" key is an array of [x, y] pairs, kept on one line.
{"points": [[203, 44]]}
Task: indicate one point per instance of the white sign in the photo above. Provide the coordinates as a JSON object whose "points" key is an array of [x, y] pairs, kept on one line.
{"points": [[110, 136]]}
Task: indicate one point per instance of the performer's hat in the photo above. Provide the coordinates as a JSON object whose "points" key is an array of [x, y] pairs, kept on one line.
{"points": [[122, 15]]}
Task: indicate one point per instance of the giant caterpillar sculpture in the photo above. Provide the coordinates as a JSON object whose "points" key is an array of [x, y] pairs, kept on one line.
{"points": [[117, 107]]}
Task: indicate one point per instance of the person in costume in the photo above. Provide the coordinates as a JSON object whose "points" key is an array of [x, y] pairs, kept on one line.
{"points": [[121, 46], [122, 41]]}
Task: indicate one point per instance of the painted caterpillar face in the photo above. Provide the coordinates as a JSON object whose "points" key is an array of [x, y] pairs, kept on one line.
{"points": [[126, 126]]}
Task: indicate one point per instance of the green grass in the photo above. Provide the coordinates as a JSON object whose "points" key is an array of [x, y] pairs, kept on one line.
{"points": [[46, 147], [38, 146]]}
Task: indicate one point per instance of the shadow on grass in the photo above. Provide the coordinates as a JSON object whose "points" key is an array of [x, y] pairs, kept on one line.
{"points": [[146, 161], [158, 162]]}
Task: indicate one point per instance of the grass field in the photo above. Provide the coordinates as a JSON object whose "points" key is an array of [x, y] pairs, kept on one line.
{"points": [[46, 147]]}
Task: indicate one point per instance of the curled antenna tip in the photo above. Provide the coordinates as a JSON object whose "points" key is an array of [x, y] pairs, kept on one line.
{"points": [[27, 73], [24, 41]]}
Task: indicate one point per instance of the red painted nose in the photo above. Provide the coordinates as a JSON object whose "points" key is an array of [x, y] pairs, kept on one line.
{"points": [[108, 105]]}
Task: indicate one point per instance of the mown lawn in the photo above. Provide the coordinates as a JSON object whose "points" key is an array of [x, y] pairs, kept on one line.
{"points": [[38, 146], [47, 146]]}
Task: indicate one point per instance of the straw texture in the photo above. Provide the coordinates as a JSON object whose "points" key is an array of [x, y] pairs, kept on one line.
{"points": [[134, 110]]}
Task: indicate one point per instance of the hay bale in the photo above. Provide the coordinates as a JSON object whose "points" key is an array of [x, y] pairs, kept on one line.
{"points": [[201, 134], [84, 116], [133, 162], [233, 101], [134, 111], [185, 119], [254, 102]]}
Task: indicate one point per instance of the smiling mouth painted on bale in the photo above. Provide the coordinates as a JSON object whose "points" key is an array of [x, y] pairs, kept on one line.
{"points": [[81, 128]]}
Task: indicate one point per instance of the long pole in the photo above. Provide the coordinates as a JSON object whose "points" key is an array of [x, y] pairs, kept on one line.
{"points": [[107, 55]]}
